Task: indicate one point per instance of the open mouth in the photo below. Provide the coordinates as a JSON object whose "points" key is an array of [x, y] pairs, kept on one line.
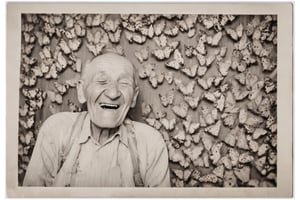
{"points": [[109, 106]]}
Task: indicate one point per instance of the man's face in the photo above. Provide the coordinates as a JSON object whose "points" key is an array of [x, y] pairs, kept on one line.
{"points": [[109, 90]]}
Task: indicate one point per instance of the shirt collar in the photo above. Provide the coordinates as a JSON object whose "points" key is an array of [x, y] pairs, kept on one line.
{"points": [[86, 132]]}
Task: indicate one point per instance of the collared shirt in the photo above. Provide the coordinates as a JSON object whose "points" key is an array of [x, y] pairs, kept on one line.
{"points": [[108, 164]]}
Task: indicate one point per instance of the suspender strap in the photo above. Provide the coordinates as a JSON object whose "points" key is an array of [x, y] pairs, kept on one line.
{"points": [[132, 145]]}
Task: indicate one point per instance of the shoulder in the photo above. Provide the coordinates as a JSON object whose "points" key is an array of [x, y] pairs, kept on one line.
{"points": [[148, 134], [58, 125]]}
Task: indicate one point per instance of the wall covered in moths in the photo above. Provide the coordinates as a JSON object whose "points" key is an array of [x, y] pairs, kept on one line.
{"points": [[207, 83]]}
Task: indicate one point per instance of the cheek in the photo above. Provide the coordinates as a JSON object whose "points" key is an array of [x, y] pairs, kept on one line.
{"points": [[92, 92], [128, 94]]}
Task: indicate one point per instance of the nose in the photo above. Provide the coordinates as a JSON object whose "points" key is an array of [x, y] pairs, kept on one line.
{"points": [[113, 91]]}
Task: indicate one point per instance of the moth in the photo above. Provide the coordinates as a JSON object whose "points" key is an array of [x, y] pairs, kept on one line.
{"points": [[187, 89], [181, 110], [55, 97], [168, 98], [191, 71], [29, 38], [142, 55], [192, 101], [177, 62], [214, 129]]}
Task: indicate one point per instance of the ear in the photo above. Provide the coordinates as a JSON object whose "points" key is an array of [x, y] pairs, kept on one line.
{"points": [[134, 99], [80, 92]]}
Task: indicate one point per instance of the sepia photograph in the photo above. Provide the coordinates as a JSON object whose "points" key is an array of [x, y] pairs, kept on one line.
{"points": [[170, 100]]}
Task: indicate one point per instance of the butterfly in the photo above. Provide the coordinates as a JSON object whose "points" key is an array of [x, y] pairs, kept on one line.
{"points": [[110, 25], [29, 60], [206, 84], [230, 137], [27, 27], [55, 97], [224, 67], [61, 88], [28, 80], [60, 61], [115, 37], [165, 50], [146, 70], [177, 62], [79, 28], [201, 71], [214, 129], [73, 107], [241, 141], [187, 89], [147, 31], [188, 51], [27, 49], [159, 27], [29, 38], [190, 127], [220, 103], [95, 19], [210, 59], [135, 37], [169, 125], [71, 82], [267, 64], [23, 110], [181, 110], [70, 34], [142, 55], [201, 58], [235, 34], [192, 101], [219, 171], [156, 78], [215, 152], [191, 71], [180, 136], [172, 31], [169, 77], [193, 152], [167, 99], [75, 43], [154, 123], [43, 39], [64, 47], [146, 109], [214, 40], [209, 96], [27, 123], [117, 49]]}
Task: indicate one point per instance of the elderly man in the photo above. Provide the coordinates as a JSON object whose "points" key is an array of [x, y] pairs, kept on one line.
{"points": [[100, 147]]}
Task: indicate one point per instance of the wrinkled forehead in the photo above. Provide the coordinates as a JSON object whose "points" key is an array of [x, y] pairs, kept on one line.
{"points": [[110, 64]]}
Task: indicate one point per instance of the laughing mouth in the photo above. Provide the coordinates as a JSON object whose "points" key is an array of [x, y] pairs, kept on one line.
{"points": [[109, 106]]}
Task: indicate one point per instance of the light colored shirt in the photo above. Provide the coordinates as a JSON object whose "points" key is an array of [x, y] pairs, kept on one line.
{"points": [[97, 165]]}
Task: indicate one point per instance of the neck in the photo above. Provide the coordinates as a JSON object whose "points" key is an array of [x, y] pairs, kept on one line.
{"points": [[102, 134]]}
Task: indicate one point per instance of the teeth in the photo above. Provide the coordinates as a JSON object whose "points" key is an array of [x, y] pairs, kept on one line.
{"points": [[108, 105]]}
